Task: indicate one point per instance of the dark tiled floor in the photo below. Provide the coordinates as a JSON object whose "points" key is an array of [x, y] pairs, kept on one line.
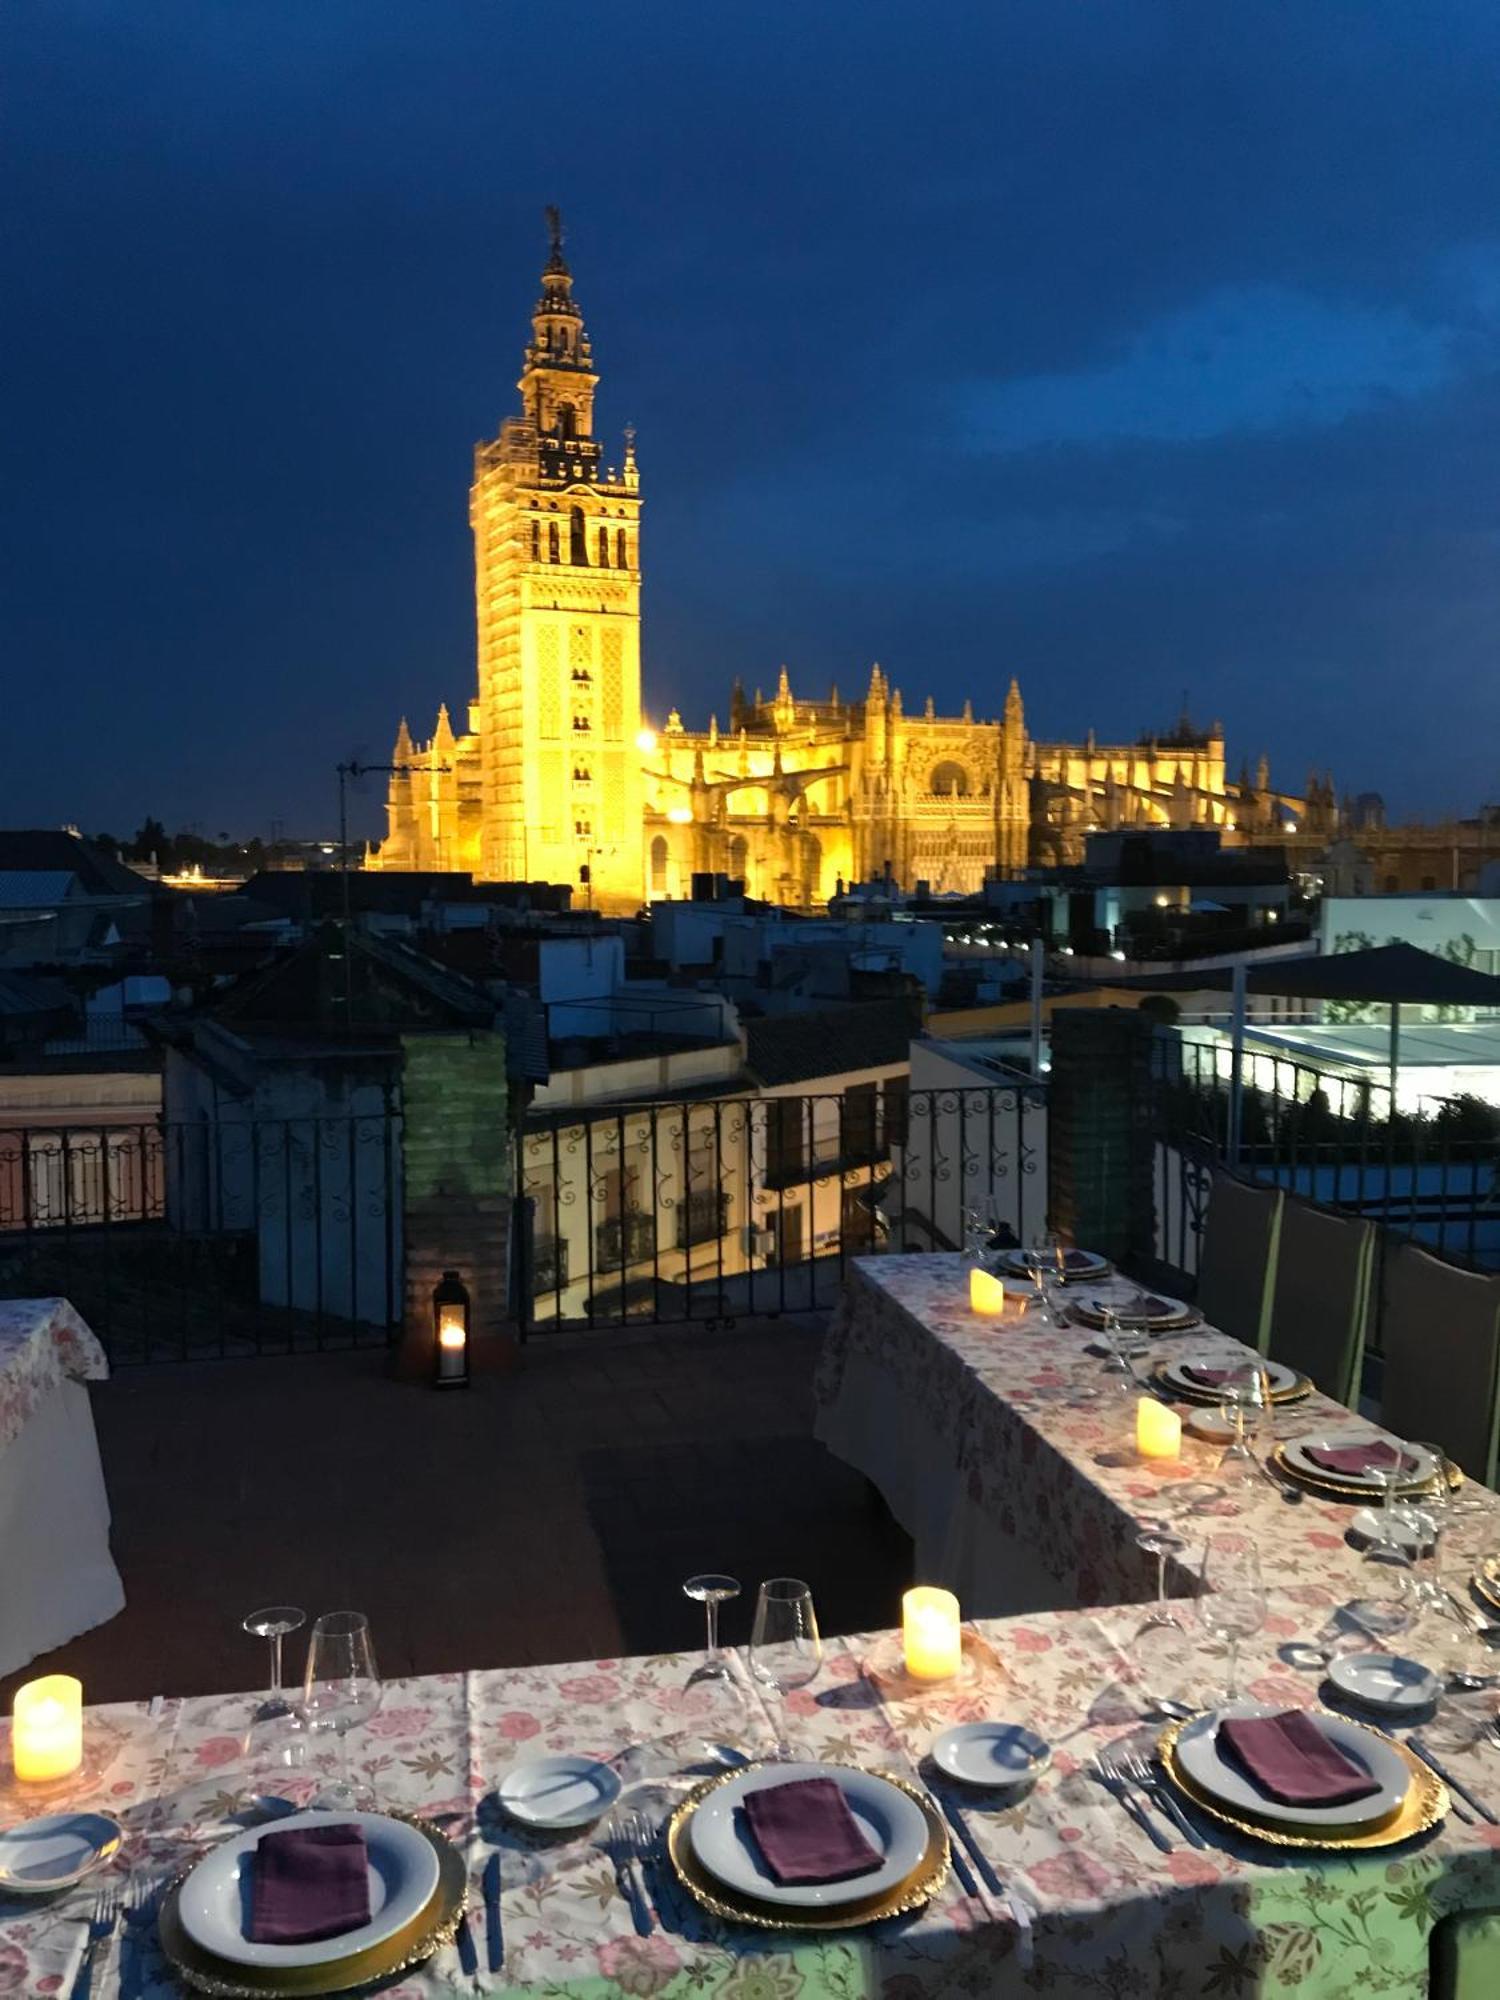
{"points": [[549, 1514]]}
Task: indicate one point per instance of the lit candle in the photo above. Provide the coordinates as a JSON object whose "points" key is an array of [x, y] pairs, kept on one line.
{"points": [[46, 1738], [1158, 1430], [986, 1293], [930, 1633], [451, 1338]]}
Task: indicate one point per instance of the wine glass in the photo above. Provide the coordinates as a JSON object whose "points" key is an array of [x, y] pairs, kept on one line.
{"points": [[711, 1592], [1118, 1374], [785, 1650], [1426, 1517], [1232, 1598], [341, 1690], [1238, 1463], [1160, 1643], [272, 1623], [1387, 1598]]}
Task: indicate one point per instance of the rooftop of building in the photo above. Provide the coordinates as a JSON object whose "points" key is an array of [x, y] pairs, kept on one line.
{"points": [[830, 1041]]}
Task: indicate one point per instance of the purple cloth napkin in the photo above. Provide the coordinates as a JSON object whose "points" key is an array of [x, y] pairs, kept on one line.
{"points": [[1361, 1457], [308, 1882], [1078, 1260], [1142, 1308], [1290, 1759], [1209, 1377], [806, 1832]]}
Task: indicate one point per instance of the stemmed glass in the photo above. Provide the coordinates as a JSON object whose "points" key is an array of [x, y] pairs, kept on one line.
{"points": [[1387, 1600], [1426, 1517], [1117, 1371], [785, 1650], [711, 1592], [341, 1690], [272, 1624], [1232, 1598], [1159, 1642], [1239, 1407]]}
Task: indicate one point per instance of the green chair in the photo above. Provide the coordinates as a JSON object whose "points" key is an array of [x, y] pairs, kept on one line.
{"points": [[1441, 1340], [1465, 1956], [1320, 1303], [1237, 1265]]}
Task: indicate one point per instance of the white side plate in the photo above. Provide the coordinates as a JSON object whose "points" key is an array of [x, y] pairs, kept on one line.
{"points": [[1385, 1681], [890, 1820], [43, 1855], [558, 1791], [992, 1753], [214, 1902]]}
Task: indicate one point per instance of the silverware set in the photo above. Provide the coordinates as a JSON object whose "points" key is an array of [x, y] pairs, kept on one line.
{"points": [[102, 1924], [972, 1866], [1131, 1797]]}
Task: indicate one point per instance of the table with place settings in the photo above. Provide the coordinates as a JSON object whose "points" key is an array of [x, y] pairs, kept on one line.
{"points": [[1107, 1911], [1012, 1462]]}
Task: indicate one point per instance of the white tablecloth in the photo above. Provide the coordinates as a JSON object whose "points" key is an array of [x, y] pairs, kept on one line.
{"points": [[57, 1577]]}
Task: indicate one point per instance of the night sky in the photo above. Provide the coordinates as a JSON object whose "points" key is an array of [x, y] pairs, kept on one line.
{"points": [[1126, 348]]}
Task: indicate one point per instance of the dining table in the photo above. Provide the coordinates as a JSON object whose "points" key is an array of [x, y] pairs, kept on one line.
{"points": [[57, 1575], [1008, 1452], [1081, 1900]]}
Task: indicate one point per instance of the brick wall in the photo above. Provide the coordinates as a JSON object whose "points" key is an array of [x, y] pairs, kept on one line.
{"points": [[1099, 1141], [456, 1178]]}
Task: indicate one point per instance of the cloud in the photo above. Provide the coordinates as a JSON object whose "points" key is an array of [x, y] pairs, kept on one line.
{"points": [[1246, 358]]}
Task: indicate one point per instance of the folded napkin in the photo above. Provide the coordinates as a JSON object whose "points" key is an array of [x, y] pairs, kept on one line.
{"points": [[1209, 1377], [806, 1832], [1289, 1758], [1078, 1260], [1371, 1457], [1142, 1307], [308, 1882]]}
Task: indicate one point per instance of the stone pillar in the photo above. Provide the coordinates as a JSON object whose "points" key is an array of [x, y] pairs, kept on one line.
{"points": [[1099, 1130], [456, 1190]]}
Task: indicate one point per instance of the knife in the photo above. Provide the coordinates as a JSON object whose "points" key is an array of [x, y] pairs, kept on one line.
{"points": [[1019, 1909], [1453, 1784], [494, 1935], [967, 1880], [468, 1957]]}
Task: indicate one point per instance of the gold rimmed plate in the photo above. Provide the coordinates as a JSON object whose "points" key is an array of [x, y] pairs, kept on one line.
{"points": [[1487, 1581], [1287, 1385], [716, 1896], [431, 1928], [1331, 1487], [1425, 1805]]}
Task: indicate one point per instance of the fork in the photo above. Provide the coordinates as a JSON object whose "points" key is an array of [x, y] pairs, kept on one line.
{"points": [[1115, 1783], [1140, 1772], [106, 1915], [649, 1844], [142, 1900]]}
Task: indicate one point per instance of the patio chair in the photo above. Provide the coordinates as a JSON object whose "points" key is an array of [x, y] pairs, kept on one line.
{"points": [[1237, 1266], [1321, 1300], [1465, 1956], [1441, 1335]]}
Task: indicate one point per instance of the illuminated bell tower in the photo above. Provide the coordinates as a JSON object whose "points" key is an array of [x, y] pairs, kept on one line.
{"points": [[558, 600]]}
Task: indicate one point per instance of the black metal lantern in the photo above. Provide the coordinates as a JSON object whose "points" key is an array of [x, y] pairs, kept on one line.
{"points": [[450, 1352]]}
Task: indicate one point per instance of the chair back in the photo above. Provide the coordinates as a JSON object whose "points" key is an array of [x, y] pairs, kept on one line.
{"points": [[1441, 1334], [1321, 1300], [1237, 1265]]}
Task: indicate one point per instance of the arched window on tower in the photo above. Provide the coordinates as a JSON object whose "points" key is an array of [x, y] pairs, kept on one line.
{"points": [[949, 780], [620, 562], [659, 865], [578, 553], [536, 541], [566, 421], [604, 548], [552, 555]]}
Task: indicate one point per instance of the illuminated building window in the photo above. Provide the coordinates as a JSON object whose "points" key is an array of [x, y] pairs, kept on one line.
{"points": [[604, 548], [581, 725], [552, 541], [620, 548], [565, 420], [659, 866], [583, 829], [582, 775], [536, 541], [578, 554]]}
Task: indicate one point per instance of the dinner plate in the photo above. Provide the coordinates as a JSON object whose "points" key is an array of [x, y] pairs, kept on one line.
{"points": [[1371, 1526], [215, 1898], [43, 1855], [1176, 1319], [553, 1792], [1386, 1681], [1296, 1455], [890, 1820], [1013, 1264], [1214, 1772], [992, 1753], [1176, 1374]]}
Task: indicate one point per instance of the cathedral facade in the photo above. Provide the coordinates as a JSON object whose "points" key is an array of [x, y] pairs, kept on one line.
{"points": [[559, 774]]}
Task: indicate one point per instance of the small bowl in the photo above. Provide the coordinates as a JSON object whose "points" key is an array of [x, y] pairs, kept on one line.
{"points": [[996, 1755], [556, 1792]]}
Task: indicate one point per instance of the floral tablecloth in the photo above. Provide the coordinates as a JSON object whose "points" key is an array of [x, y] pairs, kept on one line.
{"points": [[1112, 1915], [1017, 1434], [42, 1342]]}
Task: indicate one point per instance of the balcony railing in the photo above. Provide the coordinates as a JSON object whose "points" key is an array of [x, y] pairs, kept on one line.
{"points": [[625, 1239]]}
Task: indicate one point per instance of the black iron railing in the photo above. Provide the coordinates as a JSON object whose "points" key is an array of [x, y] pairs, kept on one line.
{"points": [[186, 1239], [755, 1204]]}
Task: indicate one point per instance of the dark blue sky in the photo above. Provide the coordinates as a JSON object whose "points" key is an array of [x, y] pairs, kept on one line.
{"points": [[1125, 348]]}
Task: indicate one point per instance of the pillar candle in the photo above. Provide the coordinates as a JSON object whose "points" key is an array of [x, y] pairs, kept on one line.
{"points": [[47, 1728], [986, 1293], [1158, 1430], [931, 1634], [451, 1338]]}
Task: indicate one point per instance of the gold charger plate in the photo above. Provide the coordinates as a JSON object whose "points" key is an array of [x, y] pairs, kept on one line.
{"points": [[923, 1883], [1487, 1580], [1425, 1806], [1334, 1488], [432, 1927], [1187, 1392]]}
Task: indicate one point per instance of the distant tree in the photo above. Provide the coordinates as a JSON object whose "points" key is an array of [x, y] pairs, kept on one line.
{"points": [[151, 838], [106, 843]]}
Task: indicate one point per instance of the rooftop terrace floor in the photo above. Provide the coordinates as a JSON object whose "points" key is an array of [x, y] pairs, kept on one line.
{"points": [[546, 1514]]}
